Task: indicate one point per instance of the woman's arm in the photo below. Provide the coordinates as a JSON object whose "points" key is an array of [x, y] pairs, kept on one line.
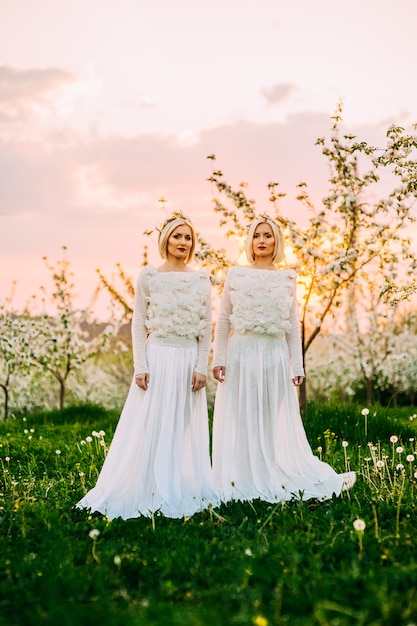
{"points": [[204, 341], [139, 331], [222, 332], [294, 338]]}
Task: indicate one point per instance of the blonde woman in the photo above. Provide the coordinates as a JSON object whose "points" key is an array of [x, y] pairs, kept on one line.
{"points": [[158, 461], [260, 449]]}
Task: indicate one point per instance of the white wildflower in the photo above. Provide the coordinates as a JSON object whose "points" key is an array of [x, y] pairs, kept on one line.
{"points": [[359, 525]]}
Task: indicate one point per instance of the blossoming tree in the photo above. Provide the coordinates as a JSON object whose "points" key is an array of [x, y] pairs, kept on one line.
{"points": [[16, 334], [68, 336], [348, 235]]}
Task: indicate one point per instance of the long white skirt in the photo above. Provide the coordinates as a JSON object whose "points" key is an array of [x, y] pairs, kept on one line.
{"points": [[158, 461], [260, 449]]}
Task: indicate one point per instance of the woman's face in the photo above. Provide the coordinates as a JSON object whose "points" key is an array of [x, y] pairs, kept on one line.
{"points": [[180, 242], [263, 241]]}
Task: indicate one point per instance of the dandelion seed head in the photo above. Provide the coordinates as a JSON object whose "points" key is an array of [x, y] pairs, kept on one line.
{"points": [[345, 444], [393, 439], [94, 534], [359, 525], [410, 458], [58, 452], [7, 458], [400, 449], [89, 439], [380, 463], [399, 467], [365, 411], [319, 449]]}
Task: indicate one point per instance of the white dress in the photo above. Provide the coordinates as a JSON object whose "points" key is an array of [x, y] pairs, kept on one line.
{"points": [[158, 461], [260, 449]]}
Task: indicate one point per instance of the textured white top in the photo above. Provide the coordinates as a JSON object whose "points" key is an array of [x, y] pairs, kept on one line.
{"points": [[174, 305], [263, 302]]}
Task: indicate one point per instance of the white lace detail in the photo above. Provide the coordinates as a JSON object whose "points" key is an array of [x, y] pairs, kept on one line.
{"points": [[176, 312], [261, 301]]}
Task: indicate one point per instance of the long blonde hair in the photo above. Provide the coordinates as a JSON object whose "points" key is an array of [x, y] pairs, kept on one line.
{"points": [[278, 254], [167, 229]]}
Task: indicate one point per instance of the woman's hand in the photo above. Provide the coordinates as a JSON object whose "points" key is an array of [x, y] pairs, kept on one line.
{"points": [[198, 381], [219, 373], [297, 380], [142, 381]]}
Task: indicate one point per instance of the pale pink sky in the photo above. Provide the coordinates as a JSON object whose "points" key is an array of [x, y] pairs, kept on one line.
{"points": [[107, 106]]}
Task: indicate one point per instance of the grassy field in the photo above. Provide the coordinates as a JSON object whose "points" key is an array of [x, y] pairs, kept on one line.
{"points": [[246, 563]]}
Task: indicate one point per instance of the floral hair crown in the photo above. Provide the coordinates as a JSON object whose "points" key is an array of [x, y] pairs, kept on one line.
{"points": [[177, 215]]}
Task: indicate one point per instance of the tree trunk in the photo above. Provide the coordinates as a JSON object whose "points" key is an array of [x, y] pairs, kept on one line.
{"points": [[6, 401], [61, 394]]}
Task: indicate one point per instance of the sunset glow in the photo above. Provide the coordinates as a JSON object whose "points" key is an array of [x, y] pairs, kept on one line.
{"points": [[104, 109]]}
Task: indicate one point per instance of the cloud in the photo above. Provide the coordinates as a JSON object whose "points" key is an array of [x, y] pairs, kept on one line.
{"points": [[117, 175], [22, 89], [278, 92], [146, 103]]}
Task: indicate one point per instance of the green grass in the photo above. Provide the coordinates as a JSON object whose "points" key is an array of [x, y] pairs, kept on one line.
{"points": [[245, 563]]}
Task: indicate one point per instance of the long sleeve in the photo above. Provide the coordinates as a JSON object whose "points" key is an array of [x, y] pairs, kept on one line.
{"points": [[222, 332], [204, 341], [139, 331], [294, 339]]}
